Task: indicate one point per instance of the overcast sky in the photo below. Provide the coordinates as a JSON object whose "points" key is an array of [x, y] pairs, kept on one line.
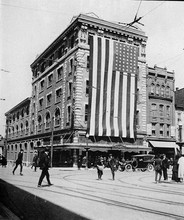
{"points": [[29, 27]]}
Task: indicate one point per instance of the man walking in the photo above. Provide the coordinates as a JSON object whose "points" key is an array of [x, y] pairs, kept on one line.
{"points": [[165, 166], [19, 162], [112, 165], [44, 166]]}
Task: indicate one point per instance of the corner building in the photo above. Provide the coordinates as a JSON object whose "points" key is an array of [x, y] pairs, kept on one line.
{"points": [[84, 92]]}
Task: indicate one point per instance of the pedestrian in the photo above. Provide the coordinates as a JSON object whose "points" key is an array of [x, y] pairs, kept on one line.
{"points": [[112, 165], [4, 161], [181, 168], [134, 164], [158, 168], [165, 166], [35, 161], [19, 162], [79, 162], [44, 164], [175, 169], [100, 167]]}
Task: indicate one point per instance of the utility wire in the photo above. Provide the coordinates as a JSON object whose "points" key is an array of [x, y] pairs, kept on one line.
{"points": [[33, 9], [154, 8]]}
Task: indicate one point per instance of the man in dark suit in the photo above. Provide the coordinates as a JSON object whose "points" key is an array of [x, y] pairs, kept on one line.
{"points": [[44, 164], [19, 162]]}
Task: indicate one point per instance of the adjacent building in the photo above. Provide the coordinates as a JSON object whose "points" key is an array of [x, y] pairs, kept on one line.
{"points": [[161, 110], [179, 117]]}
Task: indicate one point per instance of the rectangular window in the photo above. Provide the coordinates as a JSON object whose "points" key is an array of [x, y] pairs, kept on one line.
{"points": [[49, 97], [33, 110], [153, 109], [71, 65], [50, 79], [86, 113], [68, 114], [168, 130], [58, 95], [42, 83], [60, 73], [153, 129], [51, 60], [40, 104], [168, 111], [87, 87], [69, 90], [161, 110], [87, 62], [137, 118], [161, 130]]}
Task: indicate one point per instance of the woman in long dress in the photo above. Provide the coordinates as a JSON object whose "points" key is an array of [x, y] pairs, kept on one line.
{"points": [[181, 168]]}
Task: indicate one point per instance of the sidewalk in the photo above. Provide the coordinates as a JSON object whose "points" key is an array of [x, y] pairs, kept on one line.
{"points": [[77, 194]]}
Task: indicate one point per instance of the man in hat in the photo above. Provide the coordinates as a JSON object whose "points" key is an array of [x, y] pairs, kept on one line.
{"points": [[44, 166], [112, 165], [19, 162]]}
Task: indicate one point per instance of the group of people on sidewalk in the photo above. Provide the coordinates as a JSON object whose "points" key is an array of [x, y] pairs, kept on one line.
{"points": [[162, 164]]}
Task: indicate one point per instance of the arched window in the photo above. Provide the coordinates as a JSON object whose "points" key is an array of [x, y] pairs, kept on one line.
{"points": [[168, 92], [47, 119], [13, 130], [22, 113], [39, 122], [17, 115], [21, 127], [27, 126], [152, 88], [57, 116], [32, 126], [162, 90], [27, 110], [17, 129], [157, 89]]}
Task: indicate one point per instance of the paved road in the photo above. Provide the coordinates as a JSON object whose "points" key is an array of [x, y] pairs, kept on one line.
{"points": [[132, 195]]}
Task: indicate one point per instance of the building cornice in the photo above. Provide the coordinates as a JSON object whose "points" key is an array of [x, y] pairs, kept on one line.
{"points": [[18, 106], [97, 23]]}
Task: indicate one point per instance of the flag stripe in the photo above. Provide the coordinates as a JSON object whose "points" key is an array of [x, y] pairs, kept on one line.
{"points": [[128, 105], [105, 86], [120, 103], [98, 86], [94, 85], [124, 103], [101, 87], [112, 104], [132, 102], [90, 82], [116, 93], [108, 133]]}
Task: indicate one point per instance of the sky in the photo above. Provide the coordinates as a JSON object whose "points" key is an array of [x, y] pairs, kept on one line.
{"points": [[28, 27]]}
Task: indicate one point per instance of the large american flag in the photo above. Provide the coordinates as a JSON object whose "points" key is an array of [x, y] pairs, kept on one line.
{"points": [[112, 83]]}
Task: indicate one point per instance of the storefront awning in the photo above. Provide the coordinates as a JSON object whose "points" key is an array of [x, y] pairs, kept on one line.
{"points": [[164, 144], [105, 147]]}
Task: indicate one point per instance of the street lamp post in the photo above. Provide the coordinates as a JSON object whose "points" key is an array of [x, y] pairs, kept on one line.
{"points": [[87, 148], [52, 140], [180, 135]]}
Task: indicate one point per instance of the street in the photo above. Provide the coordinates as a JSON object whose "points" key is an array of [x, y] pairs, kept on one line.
{"points": [[132, 195]]}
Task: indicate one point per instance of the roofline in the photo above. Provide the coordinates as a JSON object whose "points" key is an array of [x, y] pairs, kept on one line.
{"points": [[19, 104], [85, 18]]}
